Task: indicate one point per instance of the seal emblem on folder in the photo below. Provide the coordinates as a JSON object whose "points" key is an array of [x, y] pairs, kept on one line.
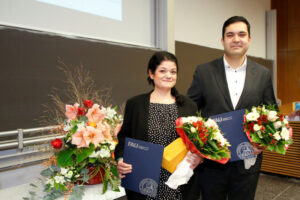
{"points": [[244, 150], [148, 187]]}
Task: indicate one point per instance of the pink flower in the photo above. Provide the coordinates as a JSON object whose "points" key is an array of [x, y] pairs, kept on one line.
{"points": [[71, 111], [95, 114], [78, 138], [117, 129], [105, 130], [93, 136]]}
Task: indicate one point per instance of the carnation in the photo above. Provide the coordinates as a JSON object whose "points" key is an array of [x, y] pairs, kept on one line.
{"points": [[272, 116], [252, 116]]}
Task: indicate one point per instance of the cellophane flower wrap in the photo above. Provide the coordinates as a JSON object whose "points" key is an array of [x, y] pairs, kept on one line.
{"points": [[203, 136], [88, 142], [267, 128]]}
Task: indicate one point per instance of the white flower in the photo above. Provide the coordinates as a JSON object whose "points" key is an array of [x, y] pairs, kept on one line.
{"points": [[67, 127], [259, 134], [285, 134], [104, 153], [50, 181], [94, 154], [69, 174], [252, 116], [190, 119], [112, 146], [277, 136], [219, 137], [63, 171], [256, 127], [110, 113], [81, 125], [193, 130], [285, 121], [272, 116], [211, 123], [59, 179], [254, 110], [277, 124]]}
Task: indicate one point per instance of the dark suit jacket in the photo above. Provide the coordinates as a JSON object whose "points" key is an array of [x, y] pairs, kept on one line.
{"points": [[135, 126], [210, 91]]}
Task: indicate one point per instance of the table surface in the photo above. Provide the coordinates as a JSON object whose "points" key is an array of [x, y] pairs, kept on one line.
{"points": [[91, 192]]}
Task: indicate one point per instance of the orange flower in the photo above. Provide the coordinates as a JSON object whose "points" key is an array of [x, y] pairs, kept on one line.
{"points": [[71, 111], [105, 130], [95, 114], [93, 124], [93, 136], [78, 138]]}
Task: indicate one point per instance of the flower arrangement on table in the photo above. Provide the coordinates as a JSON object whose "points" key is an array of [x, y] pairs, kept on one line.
{"points": [[86, 152], [267, 128]]}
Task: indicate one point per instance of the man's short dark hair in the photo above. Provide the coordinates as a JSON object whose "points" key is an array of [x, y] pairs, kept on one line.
{"points": [[235, 19]]}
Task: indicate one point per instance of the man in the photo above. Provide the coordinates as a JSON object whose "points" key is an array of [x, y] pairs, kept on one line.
{"points": [[231, 83]]}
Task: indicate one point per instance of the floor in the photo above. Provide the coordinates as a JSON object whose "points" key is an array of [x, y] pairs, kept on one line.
{"points": [[274, 187]]}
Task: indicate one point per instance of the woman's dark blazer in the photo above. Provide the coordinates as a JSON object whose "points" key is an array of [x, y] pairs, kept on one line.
{"points": [[135, 126]]}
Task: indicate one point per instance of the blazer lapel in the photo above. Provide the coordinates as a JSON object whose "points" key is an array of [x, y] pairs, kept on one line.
{"points": [[250, 77], [222, 81]]}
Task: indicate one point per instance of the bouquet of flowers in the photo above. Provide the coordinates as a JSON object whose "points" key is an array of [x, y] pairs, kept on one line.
{"points": [[203, 137], [86, 152], [266, 127]]}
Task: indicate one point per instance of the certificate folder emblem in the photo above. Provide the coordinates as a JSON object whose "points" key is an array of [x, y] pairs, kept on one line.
{"points": [[231, 124], [145, 158]]}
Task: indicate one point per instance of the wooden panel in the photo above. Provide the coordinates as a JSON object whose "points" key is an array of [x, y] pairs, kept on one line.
{"points": [[294, 39], [293, 13], [282, 74], [288, 164], [282, 25], [293, 69]]}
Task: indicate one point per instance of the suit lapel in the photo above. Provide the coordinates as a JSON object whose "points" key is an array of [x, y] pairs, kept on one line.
{"points": [[222, 81], [250, 77]]}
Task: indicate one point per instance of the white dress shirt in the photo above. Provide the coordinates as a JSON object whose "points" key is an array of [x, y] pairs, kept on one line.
{"points": [[235, 80]]}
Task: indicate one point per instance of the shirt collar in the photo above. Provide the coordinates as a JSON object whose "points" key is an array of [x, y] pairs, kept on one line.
{"points": [[242, 67]]}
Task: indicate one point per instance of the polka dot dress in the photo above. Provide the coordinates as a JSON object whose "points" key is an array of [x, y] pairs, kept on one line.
{"points": [[161, 130]]}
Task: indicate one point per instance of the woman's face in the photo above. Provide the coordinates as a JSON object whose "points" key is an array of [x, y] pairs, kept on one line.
{"points": [[165, 75]]}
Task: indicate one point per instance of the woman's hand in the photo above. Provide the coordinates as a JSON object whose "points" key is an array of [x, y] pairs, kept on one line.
{"points": [[194, 159], [123, 168]]}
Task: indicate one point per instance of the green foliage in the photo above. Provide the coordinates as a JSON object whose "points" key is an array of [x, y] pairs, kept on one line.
{"points": [[83, 153], [77, 193], [64, 158]]}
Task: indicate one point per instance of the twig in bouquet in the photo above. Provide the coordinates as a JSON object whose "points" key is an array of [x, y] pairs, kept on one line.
{"points": [[78, 86]]}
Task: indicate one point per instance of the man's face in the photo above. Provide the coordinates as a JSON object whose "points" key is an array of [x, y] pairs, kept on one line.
{"points": [[236, 40]]}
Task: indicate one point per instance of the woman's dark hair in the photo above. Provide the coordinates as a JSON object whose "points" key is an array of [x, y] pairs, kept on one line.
{"points": [[155, 61], [233, 20]]}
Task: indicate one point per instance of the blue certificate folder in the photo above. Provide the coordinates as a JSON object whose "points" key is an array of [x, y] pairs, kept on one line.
{"points": [[146, 159], [231, 124]]}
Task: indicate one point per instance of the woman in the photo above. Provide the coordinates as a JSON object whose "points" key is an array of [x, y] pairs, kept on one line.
{"points": [[151, 117]]}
